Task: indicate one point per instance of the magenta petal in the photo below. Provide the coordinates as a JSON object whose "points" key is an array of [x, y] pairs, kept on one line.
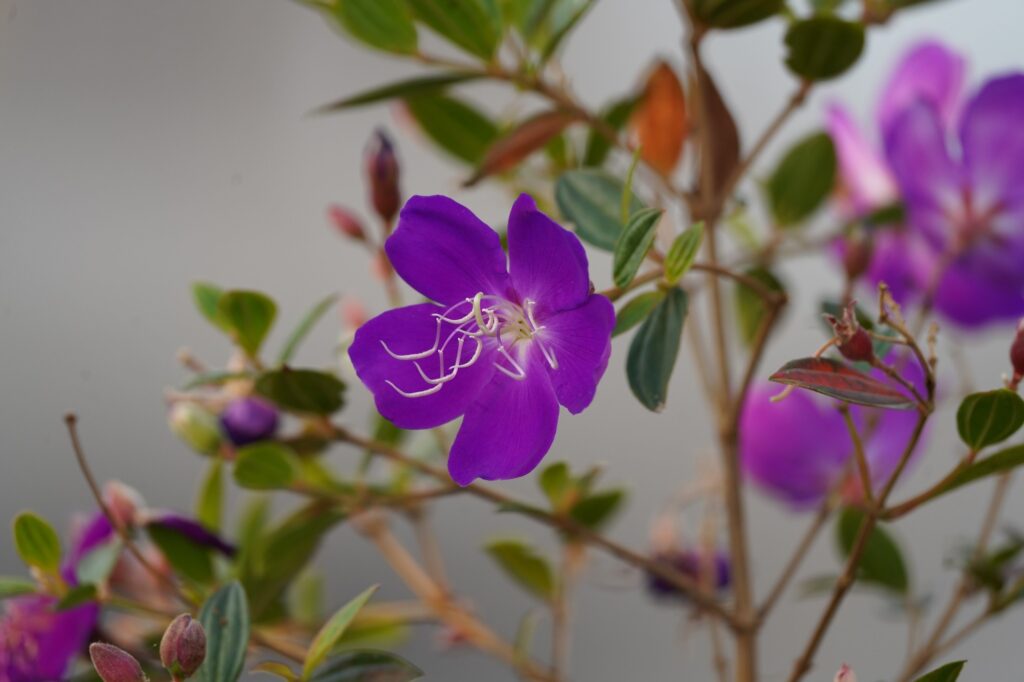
{"points": [[580, 341], [993, 143], [903, 261], [509, 429], [929, 73], [445, 252], [409, 330], [974, 296], [546, 261], [863, 170], [38, 643]]}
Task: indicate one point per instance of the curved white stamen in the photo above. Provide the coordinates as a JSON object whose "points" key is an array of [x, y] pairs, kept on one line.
{"points": [[517, 372], [415, 394], [415, 356], [549, 355]]}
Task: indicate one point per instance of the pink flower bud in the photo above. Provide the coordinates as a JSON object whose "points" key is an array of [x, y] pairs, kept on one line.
{"points": [[183, 647], [114, 665], [382, 172], [845, 674], [353, 313], [1017, 354], [854, 342], [124, 502], [346, 222]]}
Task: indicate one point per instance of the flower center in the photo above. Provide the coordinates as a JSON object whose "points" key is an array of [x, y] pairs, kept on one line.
{"points": [[461, 333]]}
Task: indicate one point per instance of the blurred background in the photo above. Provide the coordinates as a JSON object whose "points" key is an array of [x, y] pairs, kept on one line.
{"points": [[148, 144]]}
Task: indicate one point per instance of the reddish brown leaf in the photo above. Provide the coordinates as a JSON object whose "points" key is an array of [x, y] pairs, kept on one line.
{"points": [[660, 122], [521, 141], [836, 380], [723, 134]]}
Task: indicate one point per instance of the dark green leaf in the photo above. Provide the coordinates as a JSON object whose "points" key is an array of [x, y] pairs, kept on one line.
{"points": [[636, 310], [37, 542], [562, 25], [454, 126], [225, 618], [591, 199], [15, 587], [1002, 461], [881, 561], [521, 563], [837, 380], [207, 297], [734, 13], [596, 510], [823, 47], [990, 417], [266, 466], [188, 558], [633, 244], [598, 144], [302, 330], [682, 253], [210, 499], [466, 23], [332, 631], [947, 673], [248, 316], [750, 307], [383, 24], [367, 665], [802, 180], [302, 390], [76, 596], [555, 482], [652, 354], [410, 87]]}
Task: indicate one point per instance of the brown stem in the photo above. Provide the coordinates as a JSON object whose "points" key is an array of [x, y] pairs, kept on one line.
{"points": [[858, 452]]}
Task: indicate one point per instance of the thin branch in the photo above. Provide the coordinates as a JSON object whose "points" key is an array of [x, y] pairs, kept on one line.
{"points": [[858, 453]]}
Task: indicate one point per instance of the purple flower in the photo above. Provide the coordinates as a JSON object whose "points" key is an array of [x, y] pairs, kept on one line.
{"points": [[189, 528], [969, 210], [693, 564], [506, 341], [249, 420]]}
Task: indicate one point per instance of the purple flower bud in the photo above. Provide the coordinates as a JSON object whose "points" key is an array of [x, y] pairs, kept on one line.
{"points": [[1017, 355], [346, 222], [382, 173], [196, 426], [248, 420], [693, 564], [114, 665], [183, 647]]}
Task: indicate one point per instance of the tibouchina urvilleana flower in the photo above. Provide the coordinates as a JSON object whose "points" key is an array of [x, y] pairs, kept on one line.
{"points": [[503, 342]]}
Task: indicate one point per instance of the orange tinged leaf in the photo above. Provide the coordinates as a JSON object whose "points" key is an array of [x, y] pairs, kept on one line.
{"points": [[521, 141], [660, 123]]}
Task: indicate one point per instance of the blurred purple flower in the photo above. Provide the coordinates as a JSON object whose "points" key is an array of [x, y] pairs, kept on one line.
{"points": [[691, 563], [249, 420], [190, 528], [511, 340]]}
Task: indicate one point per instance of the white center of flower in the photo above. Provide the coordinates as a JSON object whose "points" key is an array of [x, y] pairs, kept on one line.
{"points": [[474, 321]]}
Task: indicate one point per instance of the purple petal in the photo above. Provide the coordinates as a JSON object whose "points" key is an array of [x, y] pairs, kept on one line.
{"points": [[864, 172], [411, 330], [902, 261], [509, 429], [546, 261], [580, 340], [38, 643], [929, 73], [191, 529], [929, 181], [796, 449], [974, 296], [445, 252], [993, 143]]}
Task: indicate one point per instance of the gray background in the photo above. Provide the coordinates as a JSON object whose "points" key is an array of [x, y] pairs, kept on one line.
{"points": [[147, 144]]}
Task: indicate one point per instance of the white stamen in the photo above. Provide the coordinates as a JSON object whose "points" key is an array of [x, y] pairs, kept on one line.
{"points": [[517, 372]]}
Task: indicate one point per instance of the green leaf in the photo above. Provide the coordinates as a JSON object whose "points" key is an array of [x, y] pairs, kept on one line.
{"points": [[1002, 461], [616, 115], [367, 665], [210, 499], [225, 618], [734, 13], [464, 22], [802, 180], [276, 669], [555, 482], [37, 542], [332, 631], [15, 587], [652, 354], [188, 558], [947, 673], [881, 561], [633, 244], [207, 297], [383, 24], [521, 563], [591, 199], [248, 316], [76, 596], [990, 417], [823, 47], [750, 308], [302, 390], [636, 310], [266, 466], [98, 563], [596, 510], [455, 126], [682, 253], [306, 599], [305, 326], [410, 87]]}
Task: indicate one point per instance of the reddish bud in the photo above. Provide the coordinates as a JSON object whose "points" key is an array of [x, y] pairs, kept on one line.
{"points": [[115, 665], [123, 502], [1017, 354], [856, 256], [346, 222], [845, 674], [382, 173], [183, 647], [854, 343]]}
